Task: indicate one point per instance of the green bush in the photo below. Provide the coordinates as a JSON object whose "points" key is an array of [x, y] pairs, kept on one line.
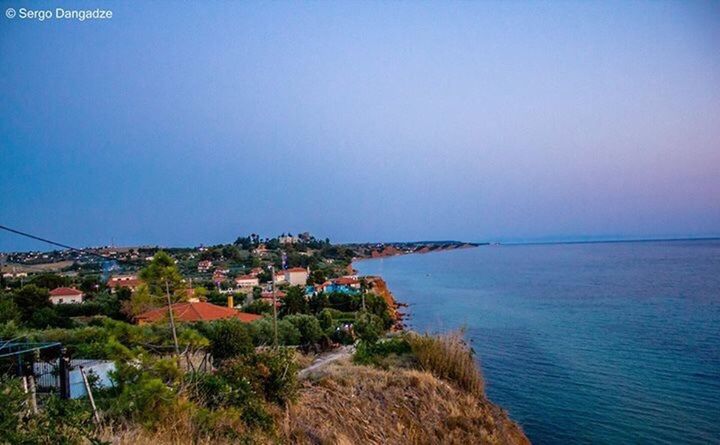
{"points": [[273, 373], [309, 327], [228, 338], [326, 319], [368, 327], [263, 332], [259, 307], [59, 422], [47, 317], [377, 353]]}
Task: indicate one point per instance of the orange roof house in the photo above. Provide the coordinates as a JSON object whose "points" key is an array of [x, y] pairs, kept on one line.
{"points": [[195, 311], [129, 281], [62, 295]]}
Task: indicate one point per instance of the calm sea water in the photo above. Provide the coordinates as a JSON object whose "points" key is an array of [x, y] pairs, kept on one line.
{"points": [[582, 343]]}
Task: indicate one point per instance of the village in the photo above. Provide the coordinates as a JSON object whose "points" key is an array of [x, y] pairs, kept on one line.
{"points": [[228, 334]]}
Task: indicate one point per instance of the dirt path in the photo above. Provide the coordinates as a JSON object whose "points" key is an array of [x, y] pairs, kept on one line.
{"points": [[325, 359]]}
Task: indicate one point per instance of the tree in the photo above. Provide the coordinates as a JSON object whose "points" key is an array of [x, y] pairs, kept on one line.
{"points": [[228, 339], [49, 281], [317, 276], [294, 301], [368, 327], [31, 298], [47, 317], [259, 307], [141, 301], [309, 327], [318, 302], [264, 333], [162, 273], [8, 310], [90, 283], [326, 320]]}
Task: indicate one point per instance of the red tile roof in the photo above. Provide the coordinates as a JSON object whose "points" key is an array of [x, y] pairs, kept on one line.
{"points": [[123, 282], [65, 292], [269, 295], [197, 311], [346, 281], [297, 269], [246, 277]]}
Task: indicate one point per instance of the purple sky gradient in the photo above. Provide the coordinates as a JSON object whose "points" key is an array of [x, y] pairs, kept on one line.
{"points": [[180, 124]]}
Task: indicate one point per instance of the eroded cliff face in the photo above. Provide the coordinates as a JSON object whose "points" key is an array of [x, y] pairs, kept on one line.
{"points": [[350, 404]]}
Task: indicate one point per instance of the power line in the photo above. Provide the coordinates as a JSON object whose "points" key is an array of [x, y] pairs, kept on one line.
{"points": [[54, 243]]}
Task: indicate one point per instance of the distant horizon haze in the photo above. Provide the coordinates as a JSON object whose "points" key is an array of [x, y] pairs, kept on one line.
{"points": [[179, 124]]}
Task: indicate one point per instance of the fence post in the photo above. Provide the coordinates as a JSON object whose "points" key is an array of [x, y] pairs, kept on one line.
{"points": [[64, 374], [90, 396], [33, 394]]}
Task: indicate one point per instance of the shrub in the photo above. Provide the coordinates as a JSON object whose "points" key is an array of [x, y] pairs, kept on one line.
{"points": [[259, 307], [9, 312], [377, 353], [368, 327], [60, 421], [48, 317], [228, 338], [308, 326], [448, 357], [273, 373], [326, 319], [263, 332], [342, 336]]}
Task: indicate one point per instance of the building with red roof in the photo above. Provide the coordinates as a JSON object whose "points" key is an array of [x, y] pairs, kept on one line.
{"points": [[65, 295], [296, 276], [127, 281], [189, 312], [247, 281]]}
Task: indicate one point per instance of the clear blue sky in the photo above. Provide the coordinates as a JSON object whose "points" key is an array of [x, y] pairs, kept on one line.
{"points": [[177, 124]]}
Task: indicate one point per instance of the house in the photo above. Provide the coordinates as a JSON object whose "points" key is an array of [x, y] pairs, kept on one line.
{"points": [[343, 285], [204, 266], [255, 271], [349, 281], [189, 312], [261, 250], [280, 278], [127, 281], [247, 281], [297, 276], [65, 295], [15, 274], [219, 276], [288, 239], [267, 296]]}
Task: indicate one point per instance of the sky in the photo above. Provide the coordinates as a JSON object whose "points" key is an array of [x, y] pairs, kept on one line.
{"points": [[187, 123]]}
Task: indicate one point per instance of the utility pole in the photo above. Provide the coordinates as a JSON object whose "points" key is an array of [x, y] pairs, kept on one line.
{"points": [[274, 300], [172, 319]]}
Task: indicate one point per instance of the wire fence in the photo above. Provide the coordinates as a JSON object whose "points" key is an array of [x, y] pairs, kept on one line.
{"points": [[43, 367]]}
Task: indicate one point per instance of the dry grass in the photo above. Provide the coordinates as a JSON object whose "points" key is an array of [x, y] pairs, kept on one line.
{"points": [[182, 428], [448, 357], [351, 404]]}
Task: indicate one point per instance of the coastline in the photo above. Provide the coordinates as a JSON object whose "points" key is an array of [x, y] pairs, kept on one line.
{"points": [[510, 428], [379, 285]]}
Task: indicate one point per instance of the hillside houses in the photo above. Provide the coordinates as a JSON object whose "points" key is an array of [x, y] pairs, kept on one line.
{"points": [[204, 266]]}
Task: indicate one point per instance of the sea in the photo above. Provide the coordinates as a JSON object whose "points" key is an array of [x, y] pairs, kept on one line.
{"points": [[596, 343]]}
